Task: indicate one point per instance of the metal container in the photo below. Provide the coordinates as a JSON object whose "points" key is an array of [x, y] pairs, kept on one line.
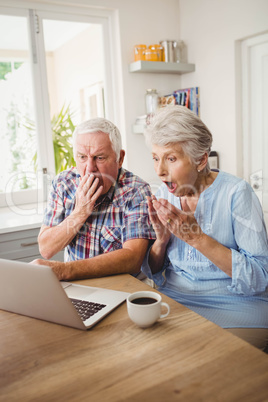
{"points": [[169, 50], [174, 51]]}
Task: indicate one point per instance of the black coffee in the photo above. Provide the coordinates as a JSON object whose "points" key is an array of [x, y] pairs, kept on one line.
{"points": [[144, 300]]}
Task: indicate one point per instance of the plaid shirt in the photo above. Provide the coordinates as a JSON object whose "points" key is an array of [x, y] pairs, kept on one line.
{"points": [[122, 214]]}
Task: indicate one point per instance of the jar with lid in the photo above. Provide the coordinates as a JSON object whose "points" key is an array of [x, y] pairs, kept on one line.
{"points": [[180, 52], [139, 52], [151, 103], [152, 54]]}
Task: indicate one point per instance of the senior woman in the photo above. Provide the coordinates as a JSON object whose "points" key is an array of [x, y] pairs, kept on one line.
{"points": [[211, 249]]}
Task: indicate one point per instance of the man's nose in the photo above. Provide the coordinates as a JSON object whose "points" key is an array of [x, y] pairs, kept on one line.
{"points": [[91, 166]]}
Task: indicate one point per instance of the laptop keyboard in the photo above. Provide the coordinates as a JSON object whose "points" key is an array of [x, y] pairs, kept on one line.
{"points": [[86, 309]]}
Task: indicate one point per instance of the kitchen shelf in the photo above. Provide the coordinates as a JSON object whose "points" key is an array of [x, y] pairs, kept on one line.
{"points": [[142, 66], [138, 128]]}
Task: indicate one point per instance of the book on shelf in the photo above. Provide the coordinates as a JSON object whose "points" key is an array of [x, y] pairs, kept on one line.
{"points": [[188, 97]]}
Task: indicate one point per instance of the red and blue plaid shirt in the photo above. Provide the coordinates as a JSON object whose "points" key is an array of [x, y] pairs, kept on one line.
{"points": [[122, 215]]}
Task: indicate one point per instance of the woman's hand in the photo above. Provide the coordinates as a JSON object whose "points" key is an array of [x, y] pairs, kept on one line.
{"points": [[181, 223], [162, 232]]}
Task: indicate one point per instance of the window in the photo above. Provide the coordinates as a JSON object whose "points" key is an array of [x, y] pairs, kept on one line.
{"points": [[53, 75], [17, 118], [74, 63]]}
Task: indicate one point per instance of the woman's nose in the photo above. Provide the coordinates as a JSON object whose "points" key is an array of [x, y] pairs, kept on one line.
{"points": [[161, 168]]}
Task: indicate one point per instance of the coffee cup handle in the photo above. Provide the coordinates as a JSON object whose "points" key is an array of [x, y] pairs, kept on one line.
{"points": [[168, 310]]}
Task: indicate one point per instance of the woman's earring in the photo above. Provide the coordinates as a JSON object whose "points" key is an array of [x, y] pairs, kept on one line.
{"points": [[198, 170]]}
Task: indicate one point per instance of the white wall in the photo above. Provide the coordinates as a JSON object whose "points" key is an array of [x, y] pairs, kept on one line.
{"points": [[145, 22], [211, 28]]}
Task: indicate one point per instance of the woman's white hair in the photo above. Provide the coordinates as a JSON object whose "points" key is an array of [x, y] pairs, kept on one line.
{"points": [[100, 125], [177, 124]]}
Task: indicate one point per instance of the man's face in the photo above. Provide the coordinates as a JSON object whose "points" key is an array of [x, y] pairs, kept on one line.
{"points": [[94, 154]]}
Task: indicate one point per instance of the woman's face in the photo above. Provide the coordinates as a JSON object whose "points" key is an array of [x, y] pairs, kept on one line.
{"points": [[175, 169]]}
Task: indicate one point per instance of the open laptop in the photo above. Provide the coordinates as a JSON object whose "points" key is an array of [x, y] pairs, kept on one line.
{"points": [[35, 291]]}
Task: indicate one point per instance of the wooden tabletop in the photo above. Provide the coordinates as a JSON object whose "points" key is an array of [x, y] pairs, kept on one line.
{"points": [[182, 357]]}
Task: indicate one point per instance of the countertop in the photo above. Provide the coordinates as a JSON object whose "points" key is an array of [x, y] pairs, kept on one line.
{"points": [[21, 217]]}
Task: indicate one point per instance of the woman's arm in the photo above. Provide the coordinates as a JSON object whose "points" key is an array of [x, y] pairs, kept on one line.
{"points": [[247, 263], [184, 225], [218, 254]]}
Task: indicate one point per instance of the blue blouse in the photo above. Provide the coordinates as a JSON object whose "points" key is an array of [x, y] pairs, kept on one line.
{"points": [[230, 212]]}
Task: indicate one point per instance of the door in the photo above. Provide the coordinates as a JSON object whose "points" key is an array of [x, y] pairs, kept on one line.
{"points": [[255, 115]]}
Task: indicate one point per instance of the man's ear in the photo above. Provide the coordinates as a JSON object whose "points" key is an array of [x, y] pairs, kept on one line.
{"points": [[121, 158]]}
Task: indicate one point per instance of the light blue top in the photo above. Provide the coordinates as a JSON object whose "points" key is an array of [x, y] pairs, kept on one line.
{"points": [[230, 212]]}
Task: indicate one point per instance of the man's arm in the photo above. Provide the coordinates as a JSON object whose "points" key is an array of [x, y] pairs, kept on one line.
{"points": [[126, 260], [53, 239]]}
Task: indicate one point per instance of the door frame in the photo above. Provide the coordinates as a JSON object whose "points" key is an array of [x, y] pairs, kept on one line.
{"points": [[243, 101], [244, 106]]}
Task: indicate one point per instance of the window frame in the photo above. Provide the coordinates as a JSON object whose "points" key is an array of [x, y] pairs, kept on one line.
{"points": [[108, 19]]}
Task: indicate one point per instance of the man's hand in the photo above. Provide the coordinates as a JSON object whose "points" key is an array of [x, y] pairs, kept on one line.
{"points": [[54, 239], [59, 268], [86, 195]]}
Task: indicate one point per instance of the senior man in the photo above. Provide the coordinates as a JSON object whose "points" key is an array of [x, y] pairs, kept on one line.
{"points": [[97, 210]]}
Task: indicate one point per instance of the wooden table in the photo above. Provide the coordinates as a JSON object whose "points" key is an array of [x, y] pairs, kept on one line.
{"points": [[183, 357]]}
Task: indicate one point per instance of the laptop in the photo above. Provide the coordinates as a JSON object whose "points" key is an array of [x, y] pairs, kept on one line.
{"points": [[35, 291]]}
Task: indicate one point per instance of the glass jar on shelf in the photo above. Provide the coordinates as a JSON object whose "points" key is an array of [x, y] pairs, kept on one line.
{"points": [[139, 52], [156, 52], [180, 52], [151, 54], [151, 103]]}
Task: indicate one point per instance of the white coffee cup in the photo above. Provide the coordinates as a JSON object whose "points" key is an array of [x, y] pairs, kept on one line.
{"points": [[144, 308]]}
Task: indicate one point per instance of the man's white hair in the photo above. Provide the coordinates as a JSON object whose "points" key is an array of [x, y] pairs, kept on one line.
{"points": [[100, 125]]}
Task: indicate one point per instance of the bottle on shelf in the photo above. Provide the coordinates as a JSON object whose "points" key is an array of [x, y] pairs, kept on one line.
{"points": [[151, 103]]}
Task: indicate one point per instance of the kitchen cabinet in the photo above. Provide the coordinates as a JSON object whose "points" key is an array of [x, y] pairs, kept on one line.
{"points": [[19, 230], [22, 245]]}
